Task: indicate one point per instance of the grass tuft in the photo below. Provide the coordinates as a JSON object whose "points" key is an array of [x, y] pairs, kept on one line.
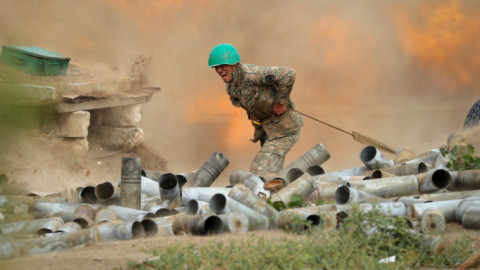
{"points": [[359, 243]]}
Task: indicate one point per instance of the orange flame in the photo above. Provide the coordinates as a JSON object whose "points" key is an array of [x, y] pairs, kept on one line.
{"points": [[149, 16], [443, 39], [235, 128]]}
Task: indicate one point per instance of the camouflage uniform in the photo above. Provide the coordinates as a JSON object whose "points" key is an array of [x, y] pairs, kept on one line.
{"points": [[255, 88]]}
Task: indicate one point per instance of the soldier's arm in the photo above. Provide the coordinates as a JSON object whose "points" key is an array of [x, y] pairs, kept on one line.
{"points": [[284, 78], [235, 101]]}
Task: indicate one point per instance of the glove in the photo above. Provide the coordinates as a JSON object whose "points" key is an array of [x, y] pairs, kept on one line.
{"points": [[259, 133]]}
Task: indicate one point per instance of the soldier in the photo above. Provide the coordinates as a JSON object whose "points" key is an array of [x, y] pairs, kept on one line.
{"points": [[264, 92]]}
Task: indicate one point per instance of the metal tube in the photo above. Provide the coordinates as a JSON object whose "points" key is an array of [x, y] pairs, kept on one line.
{"points": [[448, 208], [104, 215], [250, 180], [410, 200], [348, 195], [471, 217], [106, 193], [27, 226], [201, 193], [106, 230], [209, 171], [257, 187], [393, 209], [221, 204], [129, 214], [197, 225], [465, 180], [154, 175], [293, 174], [129, 230], [245, 196], [318, 215], [357, 171], [189, 176], [130, 182], [164, 226], [433, 221], [339, 179], [302, 186], [235, 222], [169, 189], [17, 248], [159, 210], [373, 158], [444, 196], [315, 170], [84, 216], [240, 175], [197, 207], [323, 190], [68, 227], [149, 187], [120, 230], [463, 204], [181, 179], [434, 180], [389, 187], [381, 174], [149, 227], [87, 195], [407, 169], [315, 156], [63, 210]]}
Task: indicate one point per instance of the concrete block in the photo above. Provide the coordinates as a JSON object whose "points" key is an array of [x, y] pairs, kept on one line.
{"points": [[122, 116], [72, 125], [117, 137]]}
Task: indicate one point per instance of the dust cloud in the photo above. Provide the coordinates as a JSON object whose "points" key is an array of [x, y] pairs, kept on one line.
{"points": [[402, 72]]}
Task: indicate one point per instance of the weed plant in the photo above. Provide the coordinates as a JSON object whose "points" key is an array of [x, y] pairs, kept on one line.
{"points": [[360, 242], [461, 159]]}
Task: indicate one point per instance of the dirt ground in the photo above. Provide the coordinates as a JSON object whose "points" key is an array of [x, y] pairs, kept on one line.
{"points": [[117, 254]]}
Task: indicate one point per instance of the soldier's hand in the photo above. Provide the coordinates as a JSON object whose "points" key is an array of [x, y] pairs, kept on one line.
{"points": [[255, 120], [278, 109]]}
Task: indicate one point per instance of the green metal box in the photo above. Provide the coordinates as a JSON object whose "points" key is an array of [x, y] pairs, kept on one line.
{"points": [[34, 60]]}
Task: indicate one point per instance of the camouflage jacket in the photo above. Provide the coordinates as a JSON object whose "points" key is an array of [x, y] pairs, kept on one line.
{"points": [[255, 88]]}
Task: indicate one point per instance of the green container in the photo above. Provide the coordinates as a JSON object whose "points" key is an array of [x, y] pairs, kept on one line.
{"points": [[34, 60]]}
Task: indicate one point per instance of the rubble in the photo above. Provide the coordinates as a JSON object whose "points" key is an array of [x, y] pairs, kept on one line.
{"points": [[421, 189]]}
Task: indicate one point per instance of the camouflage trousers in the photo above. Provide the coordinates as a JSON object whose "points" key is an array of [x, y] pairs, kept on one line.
{"points": [[271, 156]]}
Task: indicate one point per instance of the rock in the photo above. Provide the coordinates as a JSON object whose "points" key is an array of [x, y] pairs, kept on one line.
{"points": [[73, 125], [117, 138]]}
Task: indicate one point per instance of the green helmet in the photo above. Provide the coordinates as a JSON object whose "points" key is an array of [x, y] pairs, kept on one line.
{"points": [[223, 54]]}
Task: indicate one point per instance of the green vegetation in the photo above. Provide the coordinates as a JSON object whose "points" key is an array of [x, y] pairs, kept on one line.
{"points": [[295, 202], [359, 243], [461, 158]]}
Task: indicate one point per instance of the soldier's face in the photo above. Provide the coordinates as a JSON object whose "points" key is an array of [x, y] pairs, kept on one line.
{"points": [[225, 72]]}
